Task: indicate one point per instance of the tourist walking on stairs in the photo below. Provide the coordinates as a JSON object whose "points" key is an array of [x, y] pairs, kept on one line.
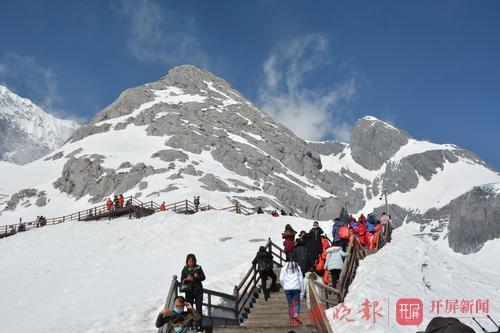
{"points": [[289, 240], [292, 281], [191, 284], [264, 262], [334, 262]]}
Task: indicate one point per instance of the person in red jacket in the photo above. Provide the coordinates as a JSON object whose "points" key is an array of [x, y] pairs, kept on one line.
{"points": [[162, 207], [361, 230], [121, 200], [289, 236], [109, 204]]}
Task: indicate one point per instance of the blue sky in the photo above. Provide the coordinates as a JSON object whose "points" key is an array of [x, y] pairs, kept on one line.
{"points": [[430, 67]]}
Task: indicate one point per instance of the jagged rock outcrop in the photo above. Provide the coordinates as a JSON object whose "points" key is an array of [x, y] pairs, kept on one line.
{"points": [[373, 142], [86, 176], [474, 219]]}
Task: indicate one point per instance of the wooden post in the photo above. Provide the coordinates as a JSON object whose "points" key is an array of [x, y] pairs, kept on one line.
{"points": [[236, 296], [186, 205], [209, 305]]}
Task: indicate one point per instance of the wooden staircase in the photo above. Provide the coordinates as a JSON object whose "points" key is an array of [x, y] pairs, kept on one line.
{"points": [[271, 316], [246, 310]]}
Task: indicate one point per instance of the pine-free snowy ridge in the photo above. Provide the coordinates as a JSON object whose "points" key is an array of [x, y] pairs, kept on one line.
{"points": [[192, 133]]}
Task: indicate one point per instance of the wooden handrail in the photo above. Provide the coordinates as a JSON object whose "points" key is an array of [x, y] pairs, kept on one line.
{"points": [[317, 308]]}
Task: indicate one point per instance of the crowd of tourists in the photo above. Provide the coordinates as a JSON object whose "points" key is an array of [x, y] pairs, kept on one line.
{"points": [[308, 254]]}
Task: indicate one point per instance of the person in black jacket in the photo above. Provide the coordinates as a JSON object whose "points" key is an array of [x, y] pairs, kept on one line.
{"points": [[308, 242], [301, 256], [192, 276], [264, 262], [316, 233]]}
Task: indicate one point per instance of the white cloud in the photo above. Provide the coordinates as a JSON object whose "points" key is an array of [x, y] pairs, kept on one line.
{"points": [[27, 78], [158, 35], [311, 113]]}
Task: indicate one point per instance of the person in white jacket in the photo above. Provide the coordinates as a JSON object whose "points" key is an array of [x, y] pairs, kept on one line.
{"points": [[292, 281], [334, 262]]}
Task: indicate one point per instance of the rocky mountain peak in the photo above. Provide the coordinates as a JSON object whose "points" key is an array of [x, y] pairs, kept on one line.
{"points": [[26, 131], [373, 142]]}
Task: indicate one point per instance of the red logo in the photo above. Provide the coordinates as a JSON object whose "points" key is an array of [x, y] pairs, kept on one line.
{"points": [[409, 311]]}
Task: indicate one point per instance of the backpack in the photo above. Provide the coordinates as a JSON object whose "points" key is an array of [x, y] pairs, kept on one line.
{"points": [[265, 264], [370, 227], [343, 232]]}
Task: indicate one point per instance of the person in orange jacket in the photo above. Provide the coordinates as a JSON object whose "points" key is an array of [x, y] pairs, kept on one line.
{"points": [[121, 200], [109, 204], [320, 263], [162, 207]]}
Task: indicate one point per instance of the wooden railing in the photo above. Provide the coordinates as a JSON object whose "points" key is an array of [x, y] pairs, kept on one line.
{"points": [[317, 308], [232, 309], [239, 209], [131, 205]]}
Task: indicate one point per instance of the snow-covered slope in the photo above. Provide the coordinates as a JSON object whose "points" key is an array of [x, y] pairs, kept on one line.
{"points": [[26, 131], [113, 276], [413, 266]]}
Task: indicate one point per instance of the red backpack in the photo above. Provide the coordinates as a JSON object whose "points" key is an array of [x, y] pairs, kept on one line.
{"points": [[344, 232]]}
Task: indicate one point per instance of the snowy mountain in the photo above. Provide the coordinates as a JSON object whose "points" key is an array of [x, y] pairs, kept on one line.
{"points": [[192, 133], [26, 131], [440, 186]]}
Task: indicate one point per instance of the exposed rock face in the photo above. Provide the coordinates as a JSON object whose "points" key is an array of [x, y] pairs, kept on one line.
{"points": [[170, 155], [213, 183], [474, 219], [86, 176], [328, 147], [403, 175], [23, 197], [373, 142]]}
